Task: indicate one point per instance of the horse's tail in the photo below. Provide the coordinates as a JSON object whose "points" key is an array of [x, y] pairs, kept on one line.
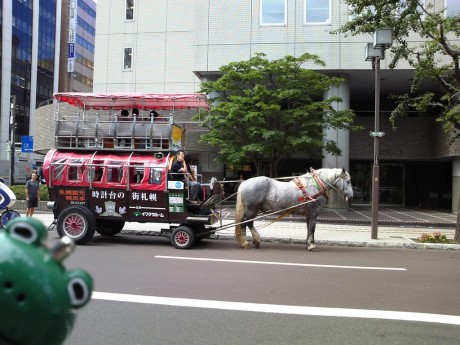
{"points": [[239, 213]]}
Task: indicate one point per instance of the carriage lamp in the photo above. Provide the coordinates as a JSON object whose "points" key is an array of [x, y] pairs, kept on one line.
{"points": [[383, 38]]}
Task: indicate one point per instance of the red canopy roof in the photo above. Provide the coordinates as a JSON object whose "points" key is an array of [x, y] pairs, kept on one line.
{"points": [[121, 100]]}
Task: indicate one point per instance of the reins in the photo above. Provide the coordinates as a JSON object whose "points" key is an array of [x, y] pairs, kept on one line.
{"points": [[288, 209]]}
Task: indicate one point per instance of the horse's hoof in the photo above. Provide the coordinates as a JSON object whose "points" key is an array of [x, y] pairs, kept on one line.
{"points": [[256, 244], [312, 248], [245, 246]]}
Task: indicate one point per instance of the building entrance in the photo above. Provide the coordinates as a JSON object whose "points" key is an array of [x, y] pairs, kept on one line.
{"points": [[392, 177]]}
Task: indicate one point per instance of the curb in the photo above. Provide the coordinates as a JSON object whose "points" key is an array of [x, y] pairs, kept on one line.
{"points": [[336, 243], [326, 243]]}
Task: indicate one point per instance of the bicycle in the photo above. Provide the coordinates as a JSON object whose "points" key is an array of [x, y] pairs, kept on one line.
{"points": [[7, 199], [7, 215]]}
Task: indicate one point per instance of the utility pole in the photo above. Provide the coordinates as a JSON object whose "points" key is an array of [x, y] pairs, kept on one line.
{"points": [[12, 146]]}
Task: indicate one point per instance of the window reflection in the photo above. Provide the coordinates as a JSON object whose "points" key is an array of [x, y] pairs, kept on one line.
{"points": [[127, 60], [452, 8], [317, 11], [129, 9], [273, 11]]}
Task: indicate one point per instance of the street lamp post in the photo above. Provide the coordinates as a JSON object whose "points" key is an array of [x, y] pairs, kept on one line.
{"points": [[12, 146], [383, 38]]}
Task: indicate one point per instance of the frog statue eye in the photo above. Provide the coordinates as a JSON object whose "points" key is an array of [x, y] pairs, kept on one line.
{"points": [[27, 231], [79, 286]]}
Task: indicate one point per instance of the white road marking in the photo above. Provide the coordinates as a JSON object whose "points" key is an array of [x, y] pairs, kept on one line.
{"points": [[282, 263], [280, 309]]}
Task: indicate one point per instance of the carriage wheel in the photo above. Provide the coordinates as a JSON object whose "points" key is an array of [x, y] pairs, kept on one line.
{"points": [[109, 227], [78, 223], [182, 237], [6, 216]]}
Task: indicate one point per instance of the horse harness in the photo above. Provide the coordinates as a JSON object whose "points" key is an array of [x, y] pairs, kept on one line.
{"points": [[319, 184]]}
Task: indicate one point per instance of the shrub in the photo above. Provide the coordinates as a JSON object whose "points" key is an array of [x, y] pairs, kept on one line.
{"points": [[435, 237], [20, 191]]}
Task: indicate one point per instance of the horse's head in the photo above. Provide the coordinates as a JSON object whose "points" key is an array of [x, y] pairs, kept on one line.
{"points": [[343, 184]]}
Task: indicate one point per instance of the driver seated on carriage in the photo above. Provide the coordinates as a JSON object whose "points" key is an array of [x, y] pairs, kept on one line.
{"points": [[180, 171]]}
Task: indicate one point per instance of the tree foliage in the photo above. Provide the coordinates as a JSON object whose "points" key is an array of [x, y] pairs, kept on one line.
{"points": [[269, 110], [428, 40], [434, 54]]}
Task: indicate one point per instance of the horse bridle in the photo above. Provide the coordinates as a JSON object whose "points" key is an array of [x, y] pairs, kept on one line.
{"points": [[342, 176]]}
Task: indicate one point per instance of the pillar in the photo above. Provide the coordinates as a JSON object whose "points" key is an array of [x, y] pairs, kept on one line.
{"points": [[342, 139]]}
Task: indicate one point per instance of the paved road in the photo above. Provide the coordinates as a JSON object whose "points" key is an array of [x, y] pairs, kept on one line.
{"points": [[149, 293]]}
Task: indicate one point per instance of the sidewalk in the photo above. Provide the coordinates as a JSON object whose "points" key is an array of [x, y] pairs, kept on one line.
{"points": [[326, 234], [347, 235]]}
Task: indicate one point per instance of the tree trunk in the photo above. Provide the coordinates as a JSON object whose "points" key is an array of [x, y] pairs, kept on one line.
{"points": [[259, 165], [274, 172], [457, 230]]}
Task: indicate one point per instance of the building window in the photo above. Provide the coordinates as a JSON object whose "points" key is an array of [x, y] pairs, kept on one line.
{"points": [[129, 9], [317, 11], [128, 59], [452, 8], [273, 12]]}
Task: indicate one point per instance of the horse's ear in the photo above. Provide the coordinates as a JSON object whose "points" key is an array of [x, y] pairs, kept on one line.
{"points": [[343, 170]]}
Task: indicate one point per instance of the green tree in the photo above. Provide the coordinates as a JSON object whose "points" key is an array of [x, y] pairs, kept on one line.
{"points": [[269, 110], [434, 54]]}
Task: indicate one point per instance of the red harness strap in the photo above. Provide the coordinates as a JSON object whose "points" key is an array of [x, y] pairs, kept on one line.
{"points": [[319, 183], [299, 185]]}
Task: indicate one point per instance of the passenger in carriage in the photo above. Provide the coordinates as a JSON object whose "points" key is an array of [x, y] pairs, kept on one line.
{"points": [[188, 162], [124, 115], [180, 171], [98, 174], [157, 117]]}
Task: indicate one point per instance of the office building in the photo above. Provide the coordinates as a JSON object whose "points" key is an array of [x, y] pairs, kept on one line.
{"points": [[36, 61], [170, 46]]}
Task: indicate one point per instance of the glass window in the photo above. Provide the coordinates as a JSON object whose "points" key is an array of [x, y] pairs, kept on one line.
{"points": [[317, 11], [129, 9], [272, 12], [114, 171], [136, 173], [452, 8], [128, 59], [156, 176], [75, 170], [57, 170]]}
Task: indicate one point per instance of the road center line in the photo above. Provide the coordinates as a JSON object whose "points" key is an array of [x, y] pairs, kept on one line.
{"points": [[281, 263], [280, 309]]}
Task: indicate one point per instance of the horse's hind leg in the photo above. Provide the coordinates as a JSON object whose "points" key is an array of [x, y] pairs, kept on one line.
{"points": [[255, 235]]}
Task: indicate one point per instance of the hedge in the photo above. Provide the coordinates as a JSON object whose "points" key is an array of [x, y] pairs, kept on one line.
{"points": [[20, 192]]}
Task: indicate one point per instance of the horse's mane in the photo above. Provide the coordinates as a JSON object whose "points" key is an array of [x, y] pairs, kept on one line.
{"points": [[327, 173]]}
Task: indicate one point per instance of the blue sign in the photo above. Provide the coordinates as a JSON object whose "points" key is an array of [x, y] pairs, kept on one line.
{"points": [[27, 143], [71, 50]]}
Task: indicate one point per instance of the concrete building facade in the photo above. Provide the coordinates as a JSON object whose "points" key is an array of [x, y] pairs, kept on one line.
{"points": [[170, 46]]}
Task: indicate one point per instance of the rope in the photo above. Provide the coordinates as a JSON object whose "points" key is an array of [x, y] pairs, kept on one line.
{"points": [[292, 208]]}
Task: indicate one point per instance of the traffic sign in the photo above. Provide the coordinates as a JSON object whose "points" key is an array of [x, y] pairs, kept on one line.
{"points": [[27, 143], [377, 134]]}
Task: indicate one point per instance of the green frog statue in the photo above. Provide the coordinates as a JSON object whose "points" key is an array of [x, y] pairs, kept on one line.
{"points": [[38, 295]]}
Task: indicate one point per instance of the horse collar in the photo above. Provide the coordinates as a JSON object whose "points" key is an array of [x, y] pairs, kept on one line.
{"points": [[319, 184]]}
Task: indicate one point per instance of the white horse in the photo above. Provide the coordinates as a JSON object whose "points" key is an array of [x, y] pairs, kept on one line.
{"points": [[309, 191]]}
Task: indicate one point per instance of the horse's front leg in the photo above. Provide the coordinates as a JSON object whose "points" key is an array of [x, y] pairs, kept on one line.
{"points": [[255, 235], [311, 226]]}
